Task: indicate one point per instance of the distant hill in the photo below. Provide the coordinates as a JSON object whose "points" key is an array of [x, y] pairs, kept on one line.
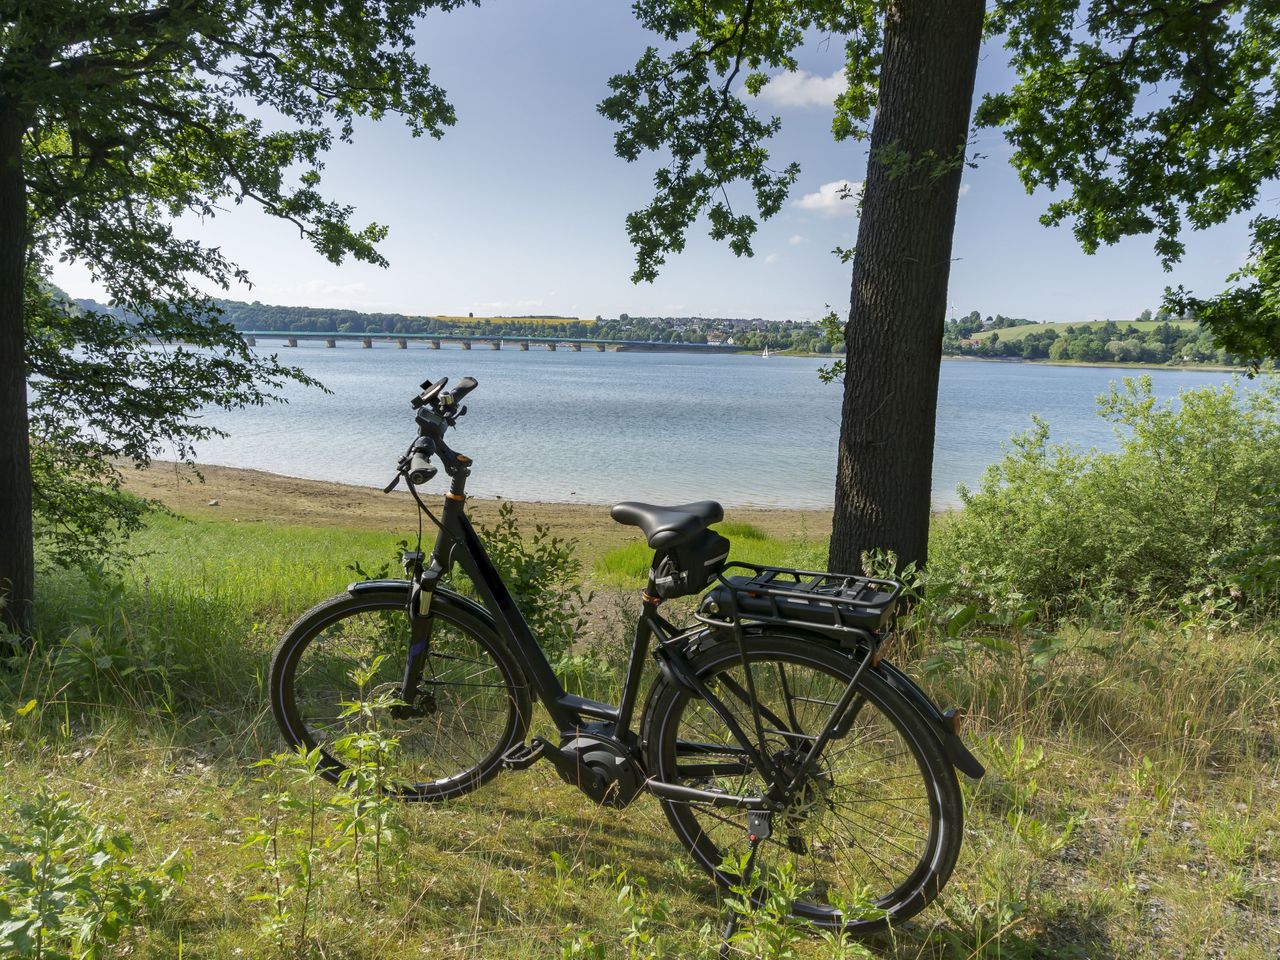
{"points": [[1174, 342], [1017, 333], [751, 335]]}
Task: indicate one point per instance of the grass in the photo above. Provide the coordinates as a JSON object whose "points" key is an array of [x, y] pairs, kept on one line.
{"points": [[1131, 804], [1017, 333], [626, 566]]}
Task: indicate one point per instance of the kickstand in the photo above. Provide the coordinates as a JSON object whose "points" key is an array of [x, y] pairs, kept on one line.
{"points": [[731, 927]]}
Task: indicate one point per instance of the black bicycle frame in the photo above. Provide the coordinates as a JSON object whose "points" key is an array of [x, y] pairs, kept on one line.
{"points": [[458, 543]]}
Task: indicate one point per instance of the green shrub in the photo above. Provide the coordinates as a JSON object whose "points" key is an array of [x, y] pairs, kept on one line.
{"points": [[544, 576], [68, 888], [1179, 509]]}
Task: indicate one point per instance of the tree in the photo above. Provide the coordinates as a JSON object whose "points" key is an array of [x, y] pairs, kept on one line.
{"points": [[116, 116], [1086, 73], [1149, 118], [912, 64]]}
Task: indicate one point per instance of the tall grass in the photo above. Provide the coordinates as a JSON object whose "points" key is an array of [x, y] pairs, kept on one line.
{"points": [[1130, 806], [627, 566]]}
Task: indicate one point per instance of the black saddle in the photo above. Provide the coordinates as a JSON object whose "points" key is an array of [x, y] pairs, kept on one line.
{"points": [[666, 527]]}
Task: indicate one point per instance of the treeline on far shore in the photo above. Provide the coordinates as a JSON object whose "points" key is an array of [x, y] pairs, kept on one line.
{"points": [[1163, 340], [749, 334]]}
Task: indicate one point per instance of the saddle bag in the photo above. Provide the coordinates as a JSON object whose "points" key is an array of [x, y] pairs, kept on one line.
{"points": [[688, 567]]}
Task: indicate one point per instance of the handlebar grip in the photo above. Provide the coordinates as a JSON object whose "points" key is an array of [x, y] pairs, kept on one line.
{"points": [[420, 470], [465, 386]]}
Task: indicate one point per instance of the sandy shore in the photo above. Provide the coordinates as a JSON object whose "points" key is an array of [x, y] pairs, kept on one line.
{"points": [[252, 496]]}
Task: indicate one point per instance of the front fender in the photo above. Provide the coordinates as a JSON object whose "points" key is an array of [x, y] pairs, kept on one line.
{"points": [[443, 594]]}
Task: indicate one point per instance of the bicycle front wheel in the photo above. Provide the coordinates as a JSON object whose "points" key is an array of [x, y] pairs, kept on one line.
{"points": [[336, 677], [873, 833]]}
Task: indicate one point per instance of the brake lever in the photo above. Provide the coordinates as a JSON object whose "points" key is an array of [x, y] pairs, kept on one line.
{"points": [[419, 445]]}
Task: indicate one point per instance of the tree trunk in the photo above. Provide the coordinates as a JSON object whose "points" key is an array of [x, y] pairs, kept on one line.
{"points": [[900, 272], [17, 563]]}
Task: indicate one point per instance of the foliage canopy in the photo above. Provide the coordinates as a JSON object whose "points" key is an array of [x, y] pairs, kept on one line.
{"points": [[1153, 118], [1143, 118], [139, 120]]}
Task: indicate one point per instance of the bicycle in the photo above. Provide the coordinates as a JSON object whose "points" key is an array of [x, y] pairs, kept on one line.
{"points": [[774, 720]]}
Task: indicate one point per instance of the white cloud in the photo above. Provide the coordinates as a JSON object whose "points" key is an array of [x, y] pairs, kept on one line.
{"points": [[832, 199], [320, 288], [964, 189], [795, 240], [771, 258], [803, 89]]}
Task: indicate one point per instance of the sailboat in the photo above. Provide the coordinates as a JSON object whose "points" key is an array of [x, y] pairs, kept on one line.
{"points": [[766, 352]]}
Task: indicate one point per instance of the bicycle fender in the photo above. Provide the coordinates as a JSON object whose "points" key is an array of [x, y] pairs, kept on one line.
{"points": [[952, 745], [443, 594], [373, 586]]}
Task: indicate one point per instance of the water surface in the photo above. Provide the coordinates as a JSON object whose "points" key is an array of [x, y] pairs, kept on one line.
{"points": [[599, 427]]}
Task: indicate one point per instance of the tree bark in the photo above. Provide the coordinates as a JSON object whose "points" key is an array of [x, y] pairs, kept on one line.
{"points": [[17, 557], [900, 270]]}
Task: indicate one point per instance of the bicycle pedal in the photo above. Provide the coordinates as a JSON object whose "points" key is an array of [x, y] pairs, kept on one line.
{"points": [[524, 755]]}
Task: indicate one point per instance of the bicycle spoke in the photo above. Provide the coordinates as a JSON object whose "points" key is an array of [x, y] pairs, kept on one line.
{"points": [[459, 720], [852, 828]]}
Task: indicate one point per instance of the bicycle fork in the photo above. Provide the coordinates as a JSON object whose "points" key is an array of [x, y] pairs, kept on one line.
{"points": [[421, 624]]}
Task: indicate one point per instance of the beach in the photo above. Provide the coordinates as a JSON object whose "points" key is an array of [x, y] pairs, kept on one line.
{"points": [[255, 496]]}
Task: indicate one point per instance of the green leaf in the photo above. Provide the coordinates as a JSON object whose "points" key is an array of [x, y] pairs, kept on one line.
{"points": [[960, 617], [998, 644]]}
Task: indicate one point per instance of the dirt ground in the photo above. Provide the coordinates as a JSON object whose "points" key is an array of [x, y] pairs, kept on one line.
{"points": [[252, 496]]}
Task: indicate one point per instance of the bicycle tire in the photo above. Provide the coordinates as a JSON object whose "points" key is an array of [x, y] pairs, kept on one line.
{"points": [[467, 660], [677, 720]]}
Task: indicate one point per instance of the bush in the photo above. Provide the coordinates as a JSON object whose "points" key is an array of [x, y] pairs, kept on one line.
{"points": [[1178, 510], [544, 576], [68, 886]]}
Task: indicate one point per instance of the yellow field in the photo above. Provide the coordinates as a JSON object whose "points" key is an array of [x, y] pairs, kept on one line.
{"points": [[544, 321]]}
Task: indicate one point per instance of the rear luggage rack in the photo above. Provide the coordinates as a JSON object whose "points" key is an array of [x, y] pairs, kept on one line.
{"points": [[837, 604]]}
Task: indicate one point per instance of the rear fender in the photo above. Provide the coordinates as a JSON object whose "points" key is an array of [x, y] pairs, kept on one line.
{"points": [[953, 747]]}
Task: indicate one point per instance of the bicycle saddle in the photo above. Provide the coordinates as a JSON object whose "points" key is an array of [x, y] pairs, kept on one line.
{"points": [[665, 527]]}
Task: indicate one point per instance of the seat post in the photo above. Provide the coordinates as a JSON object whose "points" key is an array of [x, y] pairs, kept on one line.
{"points": [[649, 595]]}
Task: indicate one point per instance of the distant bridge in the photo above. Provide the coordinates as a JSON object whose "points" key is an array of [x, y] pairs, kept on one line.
{"points": [[435, 340]]}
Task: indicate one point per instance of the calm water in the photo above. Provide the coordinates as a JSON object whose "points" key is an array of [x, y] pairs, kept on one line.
{"points": [[599, 427]]}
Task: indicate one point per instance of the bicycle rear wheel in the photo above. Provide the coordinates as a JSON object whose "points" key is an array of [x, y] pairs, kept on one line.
{"points": [[473, 703], [877, 824]]}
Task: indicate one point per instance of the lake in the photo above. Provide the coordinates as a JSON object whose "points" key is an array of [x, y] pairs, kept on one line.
{"points": [[596, 427]]}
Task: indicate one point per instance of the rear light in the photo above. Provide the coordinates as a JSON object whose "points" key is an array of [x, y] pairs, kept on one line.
{"points": [[955, 719]]}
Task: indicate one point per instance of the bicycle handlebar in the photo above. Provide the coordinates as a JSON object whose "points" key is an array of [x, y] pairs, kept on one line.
{"points": [[465, 386], [437, 411]]}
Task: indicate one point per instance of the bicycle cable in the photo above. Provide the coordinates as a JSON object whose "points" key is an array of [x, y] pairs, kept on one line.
{"points": [[422, 508]]}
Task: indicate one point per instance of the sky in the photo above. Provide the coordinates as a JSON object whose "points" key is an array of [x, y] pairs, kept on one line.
{"points": [[521, 207]]}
